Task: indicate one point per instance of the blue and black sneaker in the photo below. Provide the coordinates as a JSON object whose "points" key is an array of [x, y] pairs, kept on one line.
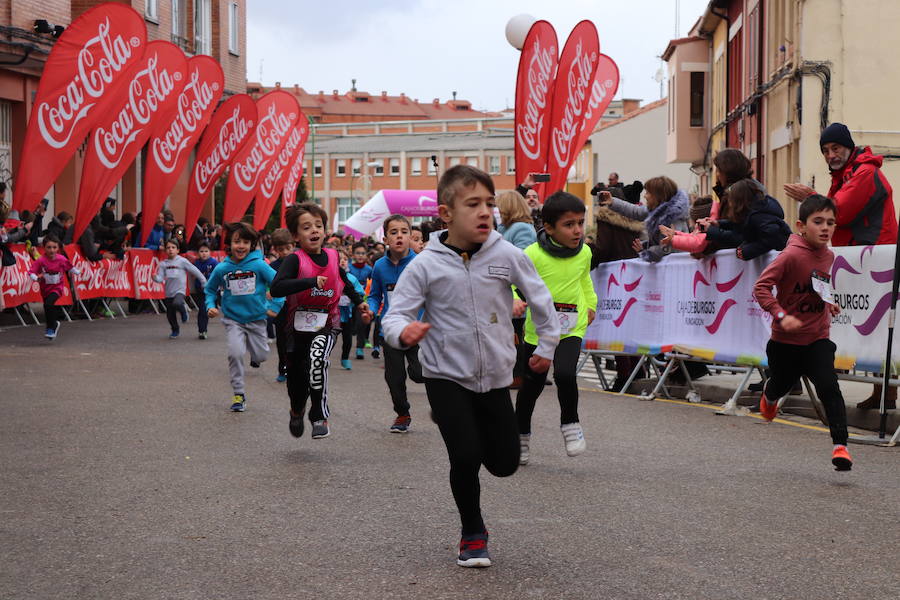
{"points": [[281, 378], [237, 403], [473, 550]]}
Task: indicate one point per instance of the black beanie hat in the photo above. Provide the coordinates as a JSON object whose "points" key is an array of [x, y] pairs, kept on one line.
{"points": [[837, 133]]}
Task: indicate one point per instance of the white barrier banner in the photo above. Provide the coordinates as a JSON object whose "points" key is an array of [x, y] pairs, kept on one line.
{"points": [[706, 307]]}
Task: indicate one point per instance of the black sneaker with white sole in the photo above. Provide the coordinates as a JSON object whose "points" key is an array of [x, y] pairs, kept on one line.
{"points": [[473, 551], [320, 429]]}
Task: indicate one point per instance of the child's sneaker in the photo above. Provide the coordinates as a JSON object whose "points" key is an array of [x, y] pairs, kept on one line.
{"points": [[174, 335], [767, 409], [524, 448], [202, 335], [346, 364], [296, 425], [840, 458], [401, 424], [320, 429], [237, 403], [473, 551], [51, 334], [573, 436], [376, 352], [360, 355], [254, 364], [281, 378], [368, 344]]}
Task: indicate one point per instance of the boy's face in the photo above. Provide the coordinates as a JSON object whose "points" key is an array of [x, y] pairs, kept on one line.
{"points": [[283, 250], [50, 250], [568, 230], [240, 248], [344, 262], [396, 237], [469, 219], [415, 240], [203, 253], [310, 233], [171, 250], [818, 228], [359, 256]]}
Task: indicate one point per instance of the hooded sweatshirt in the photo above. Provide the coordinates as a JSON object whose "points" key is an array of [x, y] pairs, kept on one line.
{"points": [[791, 272], [174, 272], [468, 304], [244, 285], [865, 202], [385, 275]]}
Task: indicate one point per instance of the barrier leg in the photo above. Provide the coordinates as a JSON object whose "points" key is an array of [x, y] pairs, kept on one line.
{"points": [[731, 407], [84, 309], [19, 316], [66, 314], [598, 366], [109, 311], [582, 360], [121, 310], [661, 383], [153, 305], [189, 300], [816, 403], [33, 316], [637, 369]]}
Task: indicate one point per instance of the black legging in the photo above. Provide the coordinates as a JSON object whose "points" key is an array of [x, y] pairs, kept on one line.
{"points": [[478, 429], [348, 329], [307, 373], [51, 311], [565, 361], [175, 309]]}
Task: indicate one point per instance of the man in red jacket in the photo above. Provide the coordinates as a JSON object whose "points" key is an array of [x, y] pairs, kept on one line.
{"points": [[865, 206]]}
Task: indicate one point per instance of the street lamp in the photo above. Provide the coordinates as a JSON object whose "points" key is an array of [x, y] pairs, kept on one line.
{"points": [[366, 179], [517, 29]]}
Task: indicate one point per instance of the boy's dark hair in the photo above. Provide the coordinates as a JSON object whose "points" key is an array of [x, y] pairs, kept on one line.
{"points": [[359, 245], [174, 242], [416, 228], [242, 231], [395, 217], [293, 214], [282, 237], [461, 176], [63, 216], [558, 204], [202, 245], [815, 203], [51, 238]]}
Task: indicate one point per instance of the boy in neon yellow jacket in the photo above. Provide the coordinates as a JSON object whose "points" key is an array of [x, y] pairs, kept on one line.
{"points": [[564, 263]]}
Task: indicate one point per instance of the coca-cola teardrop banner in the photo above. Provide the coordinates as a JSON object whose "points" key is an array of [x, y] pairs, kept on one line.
{"points": [[126, 126], [534, 93], [82, 77], [574, 78], [277, 112], [273, 181], [232, 126], [606, 82], [178, 132], [289, 193]]}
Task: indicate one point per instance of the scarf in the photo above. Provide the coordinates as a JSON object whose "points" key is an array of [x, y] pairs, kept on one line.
{"points": [[553, 249]]}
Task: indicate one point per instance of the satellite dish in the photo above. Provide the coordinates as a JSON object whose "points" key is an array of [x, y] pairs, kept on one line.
{"points": [[517, 28], [658, 78]]}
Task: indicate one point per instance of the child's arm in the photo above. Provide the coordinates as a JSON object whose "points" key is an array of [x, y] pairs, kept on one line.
{"points": [[689, 242], [769, 278], [590, 295], [401, 326], [194, 271], [376, 292], [543, 313], [34, 271], [160, 270], [70, 268]]}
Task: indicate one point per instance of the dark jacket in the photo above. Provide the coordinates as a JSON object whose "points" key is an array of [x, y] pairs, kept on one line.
{"points": [[762, 230], [614, 237], [865, 202]]}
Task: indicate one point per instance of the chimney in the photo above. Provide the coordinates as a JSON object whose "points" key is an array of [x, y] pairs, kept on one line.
{"points": [[277, 85], [436, 102], [335, 94], [353, 87], [454, 95], [629, 105], [296, 90], [402, 98]]}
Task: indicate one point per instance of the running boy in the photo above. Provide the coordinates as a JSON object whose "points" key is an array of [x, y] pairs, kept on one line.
{"points": [[244, 278], [282, 246], [49, 271], [384, 278], [205, 264], [801, 320], [462, 280], [174, 271], [313, 281], [563, 261], [362, 270]]}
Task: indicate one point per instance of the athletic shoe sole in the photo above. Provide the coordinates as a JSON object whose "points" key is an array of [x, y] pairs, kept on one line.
{"points": [[321, 435], [478, 563]]}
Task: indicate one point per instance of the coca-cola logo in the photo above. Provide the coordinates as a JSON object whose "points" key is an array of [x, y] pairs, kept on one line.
{"points": [[15, 280], [539, 74], [232, 135], [143, 272], [578, 79], [98, 62], [146, 91], [267, 188], [270, 133], [598, 95], [293, 180], [191, 106]]}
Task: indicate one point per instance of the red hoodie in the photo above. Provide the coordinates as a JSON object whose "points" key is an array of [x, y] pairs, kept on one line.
{"points": [[865, 202], [791, 272]]}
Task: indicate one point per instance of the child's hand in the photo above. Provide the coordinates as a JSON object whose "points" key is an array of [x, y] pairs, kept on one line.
{"points": [[703, 224], [835, 309], [268, 295], [365, 313], [668, 234], [212, 313], [591, 315], [272, 313], [637, 245], [791, 323], [321, 280], [414, 333], [518, 308], [798, 191], [539, 364]]}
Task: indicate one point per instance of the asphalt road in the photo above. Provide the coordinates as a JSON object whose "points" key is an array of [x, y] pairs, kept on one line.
{"points": [[124, 475]]}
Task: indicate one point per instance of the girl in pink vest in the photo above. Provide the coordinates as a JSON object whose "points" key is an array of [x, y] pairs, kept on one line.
{"points": [[312, 281], [50, 271]]}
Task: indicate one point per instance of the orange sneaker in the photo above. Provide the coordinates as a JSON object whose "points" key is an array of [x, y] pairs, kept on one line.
{"points": [[767, 409], [841, 460]]}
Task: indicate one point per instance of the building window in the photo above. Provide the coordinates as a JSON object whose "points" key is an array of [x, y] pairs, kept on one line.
{"points": [[415, 166], [151, 10], [395, 166], [340, 167], [317, 167], [472, 161], [202, 27], [356, 166], [697, 84], [432, 168], [455, 161], [511, 165], [346, 207], [233, 27], [494, 165], [379, 168]]}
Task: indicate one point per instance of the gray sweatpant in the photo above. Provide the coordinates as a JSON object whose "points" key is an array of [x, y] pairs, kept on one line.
{"points": [[240, 338]]}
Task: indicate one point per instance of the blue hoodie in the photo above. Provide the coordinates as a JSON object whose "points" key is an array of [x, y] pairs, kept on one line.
{"points": [[384, 277], [244, 285], [362, 273], [206, 267]]}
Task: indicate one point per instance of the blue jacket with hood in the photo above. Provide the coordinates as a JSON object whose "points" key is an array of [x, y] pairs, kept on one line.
{"points": [[384, 277], [244, 285]]}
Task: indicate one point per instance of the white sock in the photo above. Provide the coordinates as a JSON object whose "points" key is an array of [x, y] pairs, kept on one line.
{"points": [[836, 446]]}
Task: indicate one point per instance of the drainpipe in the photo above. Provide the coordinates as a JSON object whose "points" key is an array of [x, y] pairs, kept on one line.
{"points": [[760, 29]]}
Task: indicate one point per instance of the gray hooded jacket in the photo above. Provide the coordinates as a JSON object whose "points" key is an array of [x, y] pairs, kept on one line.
{"points": [[469, 307]]}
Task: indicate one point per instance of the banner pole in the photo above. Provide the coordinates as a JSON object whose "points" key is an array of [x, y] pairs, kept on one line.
{"points": [[888, 363], [21, 320]]}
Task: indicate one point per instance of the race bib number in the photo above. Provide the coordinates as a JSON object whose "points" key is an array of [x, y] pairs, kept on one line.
{"points": [[567, 315], [821, 283], [310, 319], [52, 278], [242, 283], [389, 291]]}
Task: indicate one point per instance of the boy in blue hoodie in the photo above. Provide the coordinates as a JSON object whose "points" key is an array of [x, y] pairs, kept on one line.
{"points": [[385, 274], [205, 264], [244, 278]]}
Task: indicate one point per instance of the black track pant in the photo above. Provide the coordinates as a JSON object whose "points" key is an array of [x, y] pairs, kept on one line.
{"points": [[789, 362], [362, 333], [52, 313], [397, 365], [348, 330], [281, 343], [307, 373], [478, 429], [202, 317], [175, 308], [565, 361]]}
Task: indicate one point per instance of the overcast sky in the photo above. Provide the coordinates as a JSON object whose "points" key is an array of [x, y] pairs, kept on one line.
{"points": [[429, 48]]}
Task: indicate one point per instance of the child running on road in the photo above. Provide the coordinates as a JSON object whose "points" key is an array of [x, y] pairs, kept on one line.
{"points": [[244, 278], [49, 271], [462, 280], [384, 279], [362, 270], [174, 271], [205, 264], [282, 246], [801, 321], [348, 315], [563, 261], [312, 280]]}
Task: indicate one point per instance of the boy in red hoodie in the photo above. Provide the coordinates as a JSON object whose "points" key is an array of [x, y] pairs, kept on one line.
{"points": [[801, 320]]}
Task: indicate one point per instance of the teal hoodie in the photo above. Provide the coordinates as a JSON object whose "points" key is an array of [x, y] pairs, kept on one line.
{"points": [[244, 285]]}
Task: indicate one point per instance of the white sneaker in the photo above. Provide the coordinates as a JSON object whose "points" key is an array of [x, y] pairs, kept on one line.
{"points": [[573, 435], [524, 445]]}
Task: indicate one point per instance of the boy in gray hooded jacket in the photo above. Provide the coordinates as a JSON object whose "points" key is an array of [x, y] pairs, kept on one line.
{"points": [[463, 281]]}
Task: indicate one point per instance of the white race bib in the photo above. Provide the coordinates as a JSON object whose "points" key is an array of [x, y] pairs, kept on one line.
{"points": [[567, 315], [344, 301], [310, 319], [821, 283], [52, 278], [242, 283]]}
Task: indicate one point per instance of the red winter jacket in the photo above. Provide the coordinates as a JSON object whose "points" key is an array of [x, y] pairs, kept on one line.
{"points": [[865, 202]]}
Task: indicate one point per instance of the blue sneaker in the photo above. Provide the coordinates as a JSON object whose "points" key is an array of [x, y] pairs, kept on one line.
{"points": [[376, 353], [360, 354], [281, 378], [237, 403], [401, 424], [174, 335], [473, 551], [346, 364], [50, 334]]}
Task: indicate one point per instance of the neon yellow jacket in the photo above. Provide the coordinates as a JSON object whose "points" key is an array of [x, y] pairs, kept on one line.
{"points": [[569, 282]]}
